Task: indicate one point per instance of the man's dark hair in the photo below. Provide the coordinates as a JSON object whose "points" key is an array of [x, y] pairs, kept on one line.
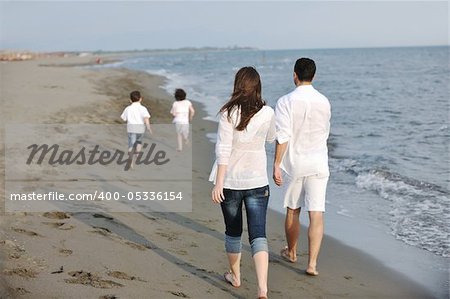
{"points": [[135, 96], [180, 94], [305, 69]]}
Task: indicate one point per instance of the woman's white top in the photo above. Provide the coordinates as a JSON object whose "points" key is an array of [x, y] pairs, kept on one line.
{"points": [[244, 151]]}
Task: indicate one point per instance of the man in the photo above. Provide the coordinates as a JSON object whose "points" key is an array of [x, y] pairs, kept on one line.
{"points": [[303, 125]]}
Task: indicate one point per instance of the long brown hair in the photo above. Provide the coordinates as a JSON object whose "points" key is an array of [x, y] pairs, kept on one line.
{"points": [[246, 96]]}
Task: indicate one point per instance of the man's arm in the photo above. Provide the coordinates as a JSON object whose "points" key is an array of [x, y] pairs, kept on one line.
{"points": [[283, 132], [280, 150]]}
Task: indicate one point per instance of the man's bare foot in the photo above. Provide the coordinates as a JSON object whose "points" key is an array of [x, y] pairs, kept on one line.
{"points": [[286, 255]]}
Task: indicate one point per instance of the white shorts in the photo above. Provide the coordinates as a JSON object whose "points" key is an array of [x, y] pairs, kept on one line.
{"points": [[306, 192], [182, 129]]}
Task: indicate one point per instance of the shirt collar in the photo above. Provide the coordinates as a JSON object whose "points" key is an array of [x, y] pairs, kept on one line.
{"points": [[305, 87]]}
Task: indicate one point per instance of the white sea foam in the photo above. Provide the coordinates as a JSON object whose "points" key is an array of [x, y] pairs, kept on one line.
{"points": [[191, 85], [344, 212], [419, 215]]}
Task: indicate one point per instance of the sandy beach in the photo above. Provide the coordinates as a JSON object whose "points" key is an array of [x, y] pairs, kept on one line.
{"points": [[148, 255]]}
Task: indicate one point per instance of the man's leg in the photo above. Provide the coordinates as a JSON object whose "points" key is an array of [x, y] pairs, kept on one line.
{"points": [[315, 234], [292, 230]]}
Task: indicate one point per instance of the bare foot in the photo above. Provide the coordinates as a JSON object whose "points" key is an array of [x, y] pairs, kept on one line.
{"points": [[232, 279], [311, 271], [287, 256], [262, 294]]}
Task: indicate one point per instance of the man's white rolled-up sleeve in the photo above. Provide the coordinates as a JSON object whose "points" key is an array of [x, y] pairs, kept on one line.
{"points": [[224, 140], [283, 121]]}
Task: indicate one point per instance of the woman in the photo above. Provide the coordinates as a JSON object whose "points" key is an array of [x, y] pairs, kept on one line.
{"points": [[240, 174]]}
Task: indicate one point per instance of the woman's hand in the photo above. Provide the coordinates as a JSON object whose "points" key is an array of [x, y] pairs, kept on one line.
{"points": [[217, 194]]}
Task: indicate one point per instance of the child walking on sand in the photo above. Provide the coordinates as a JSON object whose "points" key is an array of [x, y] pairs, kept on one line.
{"points": [[137, 118], [183, 112]]}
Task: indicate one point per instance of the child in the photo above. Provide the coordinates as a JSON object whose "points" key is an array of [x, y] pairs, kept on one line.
{"points": [[183, 112], [137, 118]]}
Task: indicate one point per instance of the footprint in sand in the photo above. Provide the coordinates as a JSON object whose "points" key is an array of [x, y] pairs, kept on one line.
{"points": [[26, 232], [20, 292], [22, 272], [59, 225], [65, 252], [56, 215], [17, 251], [179, 294], [123, 275], [179, 251], [66, 227], [348, 277], [101, 230], [92, 279], [169, 236], [54, 224], [137, 246]]}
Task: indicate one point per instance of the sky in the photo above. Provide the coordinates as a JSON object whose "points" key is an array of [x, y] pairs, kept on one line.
{"points": [[122, 25]]}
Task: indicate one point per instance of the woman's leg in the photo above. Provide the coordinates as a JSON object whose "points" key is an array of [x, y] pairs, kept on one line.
{"points": [[232, 214], [256, 202]]}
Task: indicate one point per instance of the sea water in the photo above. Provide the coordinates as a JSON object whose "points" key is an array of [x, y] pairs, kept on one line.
{"points": [[388, 192]]}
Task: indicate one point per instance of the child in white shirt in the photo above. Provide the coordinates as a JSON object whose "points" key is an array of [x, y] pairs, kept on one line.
{"points": [[183, 112], [137, 118]]}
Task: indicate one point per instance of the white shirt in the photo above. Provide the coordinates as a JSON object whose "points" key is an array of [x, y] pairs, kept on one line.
{"points": [[244, 151], [303, 120], [134, 115], [181, 111]]}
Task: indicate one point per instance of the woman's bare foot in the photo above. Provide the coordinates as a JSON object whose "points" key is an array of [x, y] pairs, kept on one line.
{"points": [[311, 271], [262, 293], [232, 279]]}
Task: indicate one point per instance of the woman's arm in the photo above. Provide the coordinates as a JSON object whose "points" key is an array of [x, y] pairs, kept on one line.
{"points": [[223, 153], [272, 133], [217, 191]]}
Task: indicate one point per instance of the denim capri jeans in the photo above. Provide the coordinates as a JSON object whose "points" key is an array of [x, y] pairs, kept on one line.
{"points": [[255, 201]]}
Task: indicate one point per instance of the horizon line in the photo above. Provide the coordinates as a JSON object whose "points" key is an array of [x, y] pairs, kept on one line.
{"points": [[233, 48]]}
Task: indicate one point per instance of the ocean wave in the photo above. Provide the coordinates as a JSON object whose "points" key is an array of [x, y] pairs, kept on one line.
{"points": [[419, 211], [191, 85]]}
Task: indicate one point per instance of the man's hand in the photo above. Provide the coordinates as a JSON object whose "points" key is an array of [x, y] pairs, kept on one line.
{"points": [[277, 177]]}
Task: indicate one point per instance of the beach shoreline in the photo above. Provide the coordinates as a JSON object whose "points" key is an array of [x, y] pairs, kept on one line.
{"points": [[126, 248]]}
